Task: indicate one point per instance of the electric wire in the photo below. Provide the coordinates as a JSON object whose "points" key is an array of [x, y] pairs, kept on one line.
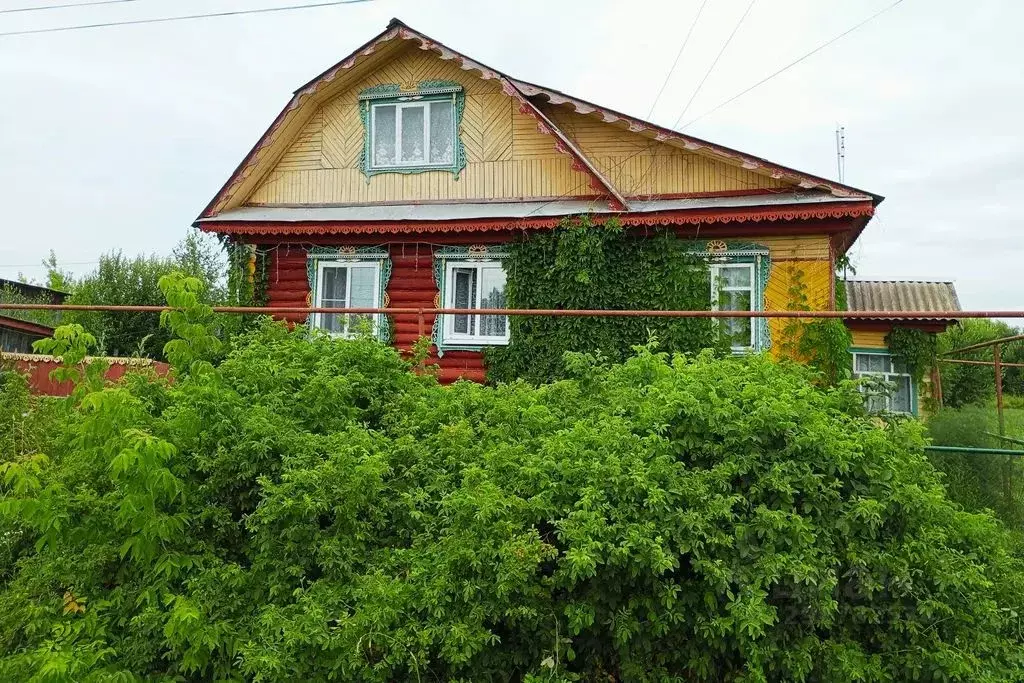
{"points": [[161, 20], [792, 64], [679, 54], [711, 68], [64, 6]]}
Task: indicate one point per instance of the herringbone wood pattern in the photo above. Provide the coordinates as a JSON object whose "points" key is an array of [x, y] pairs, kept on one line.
{"points": [[487, 128], [342, 135]]}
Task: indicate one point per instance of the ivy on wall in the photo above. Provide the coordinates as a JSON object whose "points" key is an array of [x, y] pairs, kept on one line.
{"points": [[581, 265], [247, 274], [915, 348], [822, 343]]}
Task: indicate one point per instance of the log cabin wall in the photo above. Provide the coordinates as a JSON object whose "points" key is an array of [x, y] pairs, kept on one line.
{"points": [[412, 281]]}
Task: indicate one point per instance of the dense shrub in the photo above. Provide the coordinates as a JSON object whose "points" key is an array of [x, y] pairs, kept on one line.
{"points": [[309, 509], [978, 481], [969, 384]]}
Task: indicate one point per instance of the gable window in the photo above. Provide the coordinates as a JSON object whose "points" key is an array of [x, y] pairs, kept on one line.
{"points": [[415, 130], [413, 134], [348, 279], [732, 289], [470, 280], [899, 398]]}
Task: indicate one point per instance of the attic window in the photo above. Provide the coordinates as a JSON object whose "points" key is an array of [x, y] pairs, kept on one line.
{"points": [[413, 134], [412, 131]]}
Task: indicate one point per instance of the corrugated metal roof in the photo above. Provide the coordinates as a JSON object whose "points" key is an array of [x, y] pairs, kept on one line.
{"points": [[474, 210], [900, 296]]}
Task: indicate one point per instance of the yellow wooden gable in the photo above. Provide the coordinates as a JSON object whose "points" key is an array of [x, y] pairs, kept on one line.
{"points": [[522, 142], [507, 156]]}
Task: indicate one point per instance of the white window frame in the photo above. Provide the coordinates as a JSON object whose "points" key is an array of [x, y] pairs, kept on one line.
{"points": [[717, 288], [399, 106], [450, 336], [889, 376], [348, 265]]}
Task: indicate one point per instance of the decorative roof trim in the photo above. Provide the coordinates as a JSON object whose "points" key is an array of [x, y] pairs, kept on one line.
{"points": [[565, 146], [666, 218], [397, 29], [113, 360]]}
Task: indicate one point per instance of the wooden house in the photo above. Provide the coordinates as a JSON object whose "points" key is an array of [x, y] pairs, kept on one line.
{"points": [[395, 177], [17, 334], [869, 350]]}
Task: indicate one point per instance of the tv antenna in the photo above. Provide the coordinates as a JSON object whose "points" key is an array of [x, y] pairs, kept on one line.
{"points": [[841, 151]]}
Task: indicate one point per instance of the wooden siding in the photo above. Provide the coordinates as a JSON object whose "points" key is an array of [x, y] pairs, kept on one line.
{"points": [[786, 272], [412, 285], [869, 339], [638, 165], [507, 157]]}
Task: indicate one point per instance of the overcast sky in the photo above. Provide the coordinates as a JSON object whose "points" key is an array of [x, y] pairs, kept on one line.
{"points": [[116, 138]]}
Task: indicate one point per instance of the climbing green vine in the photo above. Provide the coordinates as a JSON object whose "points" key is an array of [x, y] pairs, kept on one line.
{"points": [[823, 343], [247, 274], [583, 265], [915, 348]]}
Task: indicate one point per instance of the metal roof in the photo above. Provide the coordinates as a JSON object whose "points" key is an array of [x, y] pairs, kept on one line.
{"points": [[466, 210], [34, 291], [900, 296]]}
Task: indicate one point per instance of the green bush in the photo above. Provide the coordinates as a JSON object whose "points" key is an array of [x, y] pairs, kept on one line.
{"points": [[977, 481], [968, 384], [309, 509]]}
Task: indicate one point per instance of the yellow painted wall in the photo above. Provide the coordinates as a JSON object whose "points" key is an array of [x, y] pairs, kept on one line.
{"points": [[507, 157], [868, 339]]}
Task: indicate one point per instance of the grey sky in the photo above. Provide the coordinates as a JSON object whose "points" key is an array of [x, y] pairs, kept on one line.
{"points": [[116, 138]]}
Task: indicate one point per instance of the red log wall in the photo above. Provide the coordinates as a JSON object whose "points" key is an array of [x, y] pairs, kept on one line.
{"points": [[411, 285]]}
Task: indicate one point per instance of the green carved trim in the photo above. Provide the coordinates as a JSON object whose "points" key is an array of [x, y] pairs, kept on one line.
{"points": [[728, 251], [441, 257], [315, 255], [426, 91]]}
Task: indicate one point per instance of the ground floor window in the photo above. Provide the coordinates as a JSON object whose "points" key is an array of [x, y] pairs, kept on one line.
{"points": [[733, 289], [349, 277], [897, 396], [470, 279]]}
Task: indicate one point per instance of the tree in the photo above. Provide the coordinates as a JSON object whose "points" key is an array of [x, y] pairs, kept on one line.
{"points": [[966, 384], [120, 280], [311, 509]]}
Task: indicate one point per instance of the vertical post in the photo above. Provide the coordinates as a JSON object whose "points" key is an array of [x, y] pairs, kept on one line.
{"points": [[421, 323], [831, 275], [997, 357], [937, 386]]}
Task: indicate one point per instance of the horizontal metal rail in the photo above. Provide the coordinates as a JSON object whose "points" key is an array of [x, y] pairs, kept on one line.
{"points": [[989, 363], [986, 344], [586, 313], [972, 450]]}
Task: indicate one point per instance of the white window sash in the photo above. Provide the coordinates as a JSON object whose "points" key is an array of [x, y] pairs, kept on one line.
{"points": [[448, 326], [399, 106], [717, 288], [349, 266], [889, 376]]}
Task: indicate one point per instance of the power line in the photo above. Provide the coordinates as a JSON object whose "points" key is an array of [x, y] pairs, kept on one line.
{"points": [[679, 54], [794, 63], [714, 63], [64, 6], [160, 20]]}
